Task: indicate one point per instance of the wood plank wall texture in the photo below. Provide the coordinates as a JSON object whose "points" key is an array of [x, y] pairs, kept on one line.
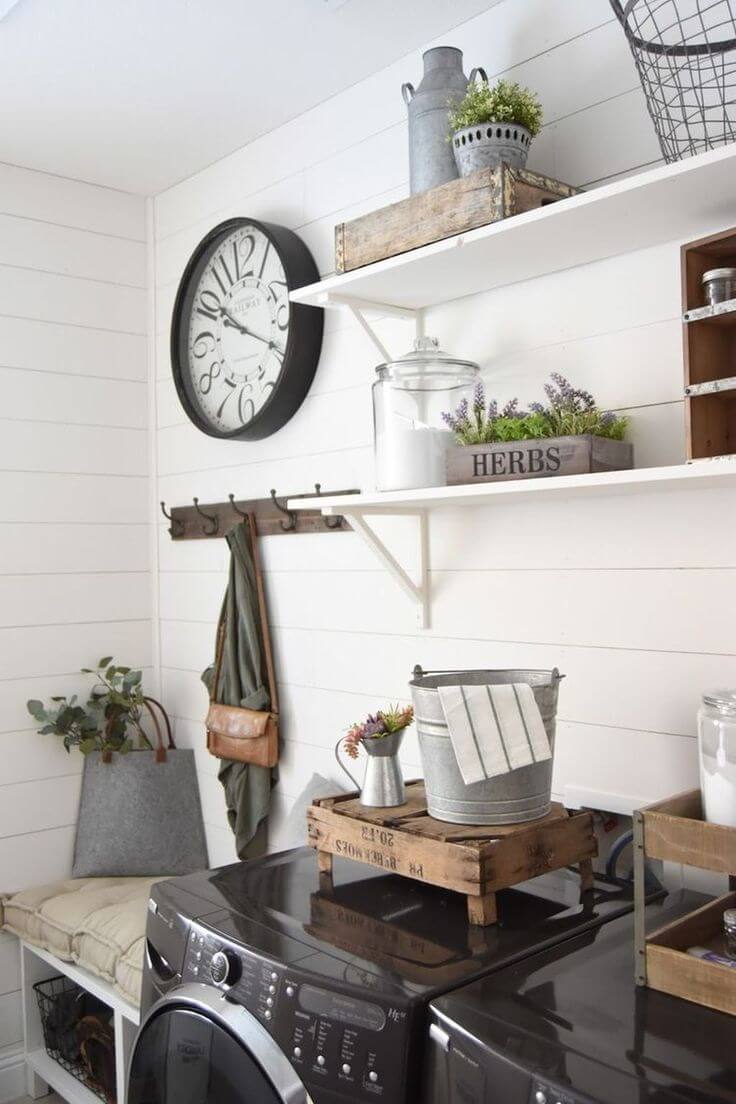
{"points": [[629, 597], [74, 544]]}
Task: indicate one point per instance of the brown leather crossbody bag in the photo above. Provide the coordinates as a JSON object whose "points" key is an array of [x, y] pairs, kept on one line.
{"points": [[246, 735]]}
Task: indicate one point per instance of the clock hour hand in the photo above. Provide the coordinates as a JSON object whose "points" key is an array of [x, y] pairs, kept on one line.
{"points": [[231, 320]]}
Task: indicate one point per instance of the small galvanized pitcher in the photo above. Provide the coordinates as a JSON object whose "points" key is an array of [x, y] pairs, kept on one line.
{"points": [[383, 785]]}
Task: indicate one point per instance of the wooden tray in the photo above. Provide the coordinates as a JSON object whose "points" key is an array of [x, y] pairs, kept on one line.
{"points": [[487, 195], [673, 830], [670, 969], [475, 861]]}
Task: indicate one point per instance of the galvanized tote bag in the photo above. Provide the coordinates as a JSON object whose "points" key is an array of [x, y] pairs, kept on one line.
{"points": [[140, 814]]}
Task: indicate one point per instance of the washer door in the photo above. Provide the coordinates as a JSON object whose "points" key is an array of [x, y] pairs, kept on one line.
{"points": [[194, 1047]]}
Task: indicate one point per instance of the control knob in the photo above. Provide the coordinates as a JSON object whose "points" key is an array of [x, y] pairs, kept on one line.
{"points": [[224, 968]]}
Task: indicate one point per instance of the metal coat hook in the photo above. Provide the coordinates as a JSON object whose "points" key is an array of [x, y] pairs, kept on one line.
{"points": [[212, 519], [289, 525], [176, 529], [333, 521], [240, 513]]}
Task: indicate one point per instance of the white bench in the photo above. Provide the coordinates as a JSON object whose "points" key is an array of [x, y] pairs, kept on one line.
{"points": [[42, 1071], [90, 930]]}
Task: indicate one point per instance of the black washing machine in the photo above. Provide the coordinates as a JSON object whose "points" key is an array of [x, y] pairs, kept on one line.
{"points": [[268, 983], [570, 1026]]}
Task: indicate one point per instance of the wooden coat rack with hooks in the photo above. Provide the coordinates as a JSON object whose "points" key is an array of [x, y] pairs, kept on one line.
{"points": [[205, 521]]}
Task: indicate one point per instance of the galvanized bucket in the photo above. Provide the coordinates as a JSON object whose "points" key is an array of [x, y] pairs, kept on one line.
{"points": [[512, 798]]}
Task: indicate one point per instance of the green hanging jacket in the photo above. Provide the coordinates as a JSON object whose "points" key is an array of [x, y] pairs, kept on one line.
{"points": [[243, 681]]}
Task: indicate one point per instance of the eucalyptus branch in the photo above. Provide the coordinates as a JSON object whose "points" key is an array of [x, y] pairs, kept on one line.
{"points": [[113, 709]]}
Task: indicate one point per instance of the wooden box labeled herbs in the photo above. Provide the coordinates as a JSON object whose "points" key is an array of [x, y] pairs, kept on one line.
{"points": [[535, 459]]}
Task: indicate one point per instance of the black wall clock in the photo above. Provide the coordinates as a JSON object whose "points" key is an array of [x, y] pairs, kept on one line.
{"points": [[242, 355]]}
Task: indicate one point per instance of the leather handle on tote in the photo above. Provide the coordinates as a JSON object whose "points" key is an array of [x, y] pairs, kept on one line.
{"points": [[160, 746]]}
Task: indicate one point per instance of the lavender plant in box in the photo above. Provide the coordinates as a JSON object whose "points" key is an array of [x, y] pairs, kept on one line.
{"points": [[567, 435]]}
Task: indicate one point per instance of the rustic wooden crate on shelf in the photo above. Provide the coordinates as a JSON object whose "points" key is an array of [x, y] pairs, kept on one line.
{"points": [[536, 459], [485, 196], [474, 861], [674, 830]]}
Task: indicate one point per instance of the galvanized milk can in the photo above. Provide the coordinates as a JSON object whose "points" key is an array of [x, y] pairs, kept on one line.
{"points": [[431, 160], [512, 798]]}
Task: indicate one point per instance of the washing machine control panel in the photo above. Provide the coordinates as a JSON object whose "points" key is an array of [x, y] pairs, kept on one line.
{"points": [[342, 1041], [546, 1092]]}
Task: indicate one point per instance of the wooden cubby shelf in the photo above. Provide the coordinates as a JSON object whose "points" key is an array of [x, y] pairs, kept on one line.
{"points": [[710, 351]]}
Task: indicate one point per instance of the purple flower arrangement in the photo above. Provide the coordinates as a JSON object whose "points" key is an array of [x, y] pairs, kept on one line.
{"points": [[382, 723], [570, 412]]}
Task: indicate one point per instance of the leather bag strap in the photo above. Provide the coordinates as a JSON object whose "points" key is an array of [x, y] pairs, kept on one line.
{"points": [[263, 618], [219, 648], [263, 613]]}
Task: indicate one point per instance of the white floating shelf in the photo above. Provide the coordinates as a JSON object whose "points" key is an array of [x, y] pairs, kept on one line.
{"points": [[357, 509], [702, 473], [663, 204]]}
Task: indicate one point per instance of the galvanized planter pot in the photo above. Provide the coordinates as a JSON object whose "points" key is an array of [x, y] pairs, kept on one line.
{"points": [[538, 459], [488, 145]]}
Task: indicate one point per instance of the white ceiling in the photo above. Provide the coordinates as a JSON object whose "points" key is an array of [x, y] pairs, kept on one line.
{"points": [[138, 94]]}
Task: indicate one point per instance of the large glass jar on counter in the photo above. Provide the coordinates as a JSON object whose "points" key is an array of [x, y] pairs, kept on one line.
{"points": [[717, 746], [410, 396]]}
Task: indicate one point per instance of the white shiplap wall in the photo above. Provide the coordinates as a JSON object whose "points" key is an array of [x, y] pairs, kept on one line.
{"points": [[74, 563], [631, 598]]}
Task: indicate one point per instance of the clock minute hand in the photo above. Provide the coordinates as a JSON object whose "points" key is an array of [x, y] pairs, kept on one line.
{"points": [[243, 329]]}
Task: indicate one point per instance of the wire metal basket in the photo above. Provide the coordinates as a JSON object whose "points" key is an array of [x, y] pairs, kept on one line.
{"points": [[685, 54], [62, 1004]]}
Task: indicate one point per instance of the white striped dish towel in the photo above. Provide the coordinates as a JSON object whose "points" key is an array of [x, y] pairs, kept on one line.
{"points": [[494, 729]]}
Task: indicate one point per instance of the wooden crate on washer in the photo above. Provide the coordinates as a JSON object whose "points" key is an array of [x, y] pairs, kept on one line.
{"points": [[674, 831], [474, 861], [487, 195]]}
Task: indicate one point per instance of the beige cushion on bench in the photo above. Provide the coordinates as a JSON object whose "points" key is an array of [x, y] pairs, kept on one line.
{"points": [[99, 923]]}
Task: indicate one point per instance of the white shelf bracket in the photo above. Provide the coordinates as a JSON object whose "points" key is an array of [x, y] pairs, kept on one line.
{"points": [[359, 307], [418, 593], [360, 317]]}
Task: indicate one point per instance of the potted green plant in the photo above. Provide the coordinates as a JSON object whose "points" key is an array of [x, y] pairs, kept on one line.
{"points": [[113, 711], [569, 435], [494, 124]]}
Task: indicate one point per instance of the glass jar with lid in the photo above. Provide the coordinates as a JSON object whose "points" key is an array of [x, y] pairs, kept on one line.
{"points": [[717, 748], [410, 395]]}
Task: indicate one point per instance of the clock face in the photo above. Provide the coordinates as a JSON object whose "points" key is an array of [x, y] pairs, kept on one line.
{"points": [[244, 356]]}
